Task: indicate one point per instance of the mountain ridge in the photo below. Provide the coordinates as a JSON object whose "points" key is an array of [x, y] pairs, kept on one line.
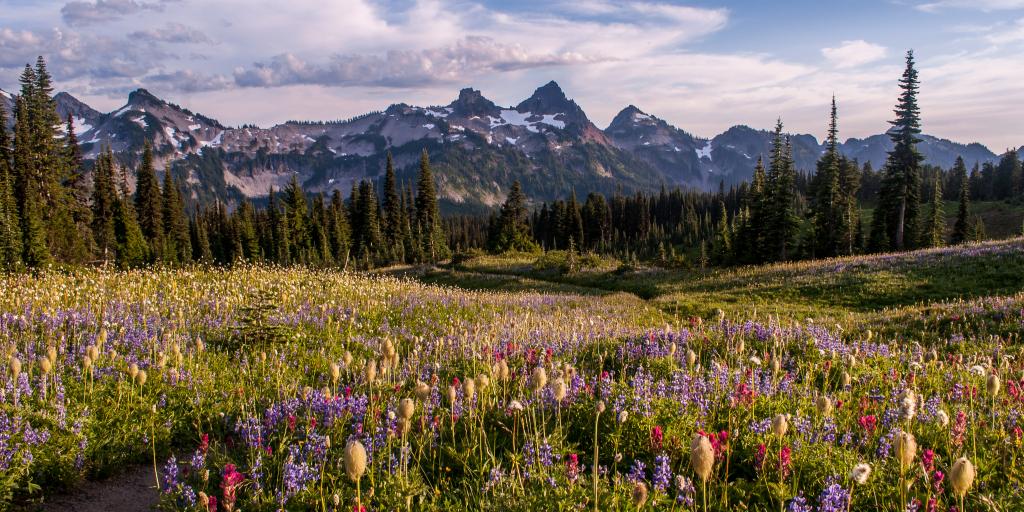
{"points": [[479, 147]]}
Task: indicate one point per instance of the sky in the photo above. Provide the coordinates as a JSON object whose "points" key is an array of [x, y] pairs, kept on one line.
{"points": [[703, 65]]}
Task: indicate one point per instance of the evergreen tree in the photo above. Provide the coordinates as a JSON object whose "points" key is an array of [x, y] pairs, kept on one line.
{"points": [[782, 222], [428, 217], [722, 248], [27, 181], [392, 217], [828, 214], [10, 223], [935, 233], [339, 232], [179, 244], [368, 220], [132, 250], [149, 204], [77, 188], [896, 216], [103, 199], [962, 228], [296, 210], [511, 232]]}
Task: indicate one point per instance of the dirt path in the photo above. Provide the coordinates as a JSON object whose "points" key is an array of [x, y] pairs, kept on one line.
{"points": [[131, 491]]}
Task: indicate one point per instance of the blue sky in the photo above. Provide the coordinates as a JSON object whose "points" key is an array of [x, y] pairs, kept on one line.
{"points": [[703, 65]]}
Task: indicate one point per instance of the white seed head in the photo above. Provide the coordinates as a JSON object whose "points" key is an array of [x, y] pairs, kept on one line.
{"points": [[355, 460], [961, 476], [702, 457], [860, 473], [780, 424]]}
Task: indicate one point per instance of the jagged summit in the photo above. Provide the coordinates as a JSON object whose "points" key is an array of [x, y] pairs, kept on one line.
{"points": [[142, 96], [548, 99], [472, 102]]}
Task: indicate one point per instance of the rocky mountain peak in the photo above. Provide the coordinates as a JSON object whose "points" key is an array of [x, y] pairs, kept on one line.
{"points": [[140, 97], [471, 102]]}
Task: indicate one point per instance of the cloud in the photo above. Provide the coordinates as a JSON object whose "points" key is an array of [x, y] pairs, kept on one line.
{"points": [[981, 5], [171, 33], [850, 54], [1012, 34], [470, 56], [84, 12]]}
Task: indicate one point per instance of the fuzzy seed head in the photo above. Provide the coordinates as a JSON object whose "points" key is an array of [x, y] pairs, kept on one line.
{"points": [[335, 372], [845, 379], [44, 365], [558, 389], [961, 476], [141, 377], [906, 449], [992, 385], [702, 457], [691, 357], [422, 390], [370, 371], [133, 370], [600, 407], [355, 460], [824, 406], [482, 381], [780, 424], [51, 354], [860, 473], [469, 389], [538, 379], [639, 495], [406, 407]]}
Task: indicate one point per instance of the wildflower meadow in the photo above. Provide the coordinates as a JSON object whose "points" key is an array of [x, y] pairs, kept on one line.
{"points": [[263, 388]]}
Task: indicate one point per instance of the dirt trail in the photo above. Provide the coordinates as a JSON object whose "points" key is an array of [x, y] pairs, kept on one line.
{"points": [[131, 491]]}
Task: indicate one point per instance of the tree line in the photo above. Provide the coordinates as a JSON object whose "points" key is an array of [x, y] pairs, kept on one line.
{"points": [[780, 214], [51, 213]]}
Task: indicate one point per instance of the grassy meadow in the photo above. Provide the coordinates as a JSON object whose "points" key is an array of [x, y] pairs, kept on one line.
{"points": [[889, 382]]}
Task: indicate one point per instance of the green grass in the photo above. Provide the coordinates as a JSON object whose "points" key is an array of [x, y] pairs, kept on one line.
{"points": [[854, 287]]}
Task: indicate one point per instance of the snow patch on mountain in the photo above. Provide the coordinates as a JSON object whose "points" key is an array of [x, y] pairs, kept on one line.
{"points": [[704, 152]]}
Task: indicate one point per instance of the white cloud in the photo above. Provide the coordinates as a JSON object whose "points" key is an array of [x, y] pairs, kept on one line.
{"points": [[850, 54], [981, 5]]}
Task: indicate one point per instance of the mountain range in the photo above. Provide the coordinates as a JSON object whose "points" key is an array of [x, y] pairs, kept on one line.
{"points": [[477, 148]]}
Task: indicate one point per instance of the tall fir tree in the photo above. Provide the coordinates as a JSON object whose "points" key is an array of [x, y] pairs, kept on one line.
{"points": [[962, 227], [179, 243], [104, 198], [10, 223], [132, 250], [149, 205], [511, 232], [934, 234], [391, 220], [828, 215], [782, 222], [895, 223], [27, 181], [368, 220], [428, 217], [296, 212]]}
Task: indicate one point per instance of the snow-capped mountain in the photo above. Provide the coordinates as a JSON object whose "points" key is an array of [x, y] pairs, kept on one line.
{"points": [[478, 148]]}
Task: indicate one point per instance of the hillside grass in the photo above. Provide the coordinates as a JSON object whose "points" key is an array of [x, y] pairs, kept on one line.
{"points": [[858, 288]]}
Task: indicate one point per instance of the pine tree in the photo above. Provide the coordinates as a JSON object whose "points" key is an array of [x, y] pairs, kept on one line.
{"points": [[296, 211], [392, 217], [828, 216], [511, 232], [77, 189], [722, 248], [899, 197], [132, 250], [149, 205], [935, 233], [201, 250], [27, 182], [428, 217], [103, 199], [781, 222], [368, 220], [179, 244], [10, 223], [962, 228], [339, 231]]}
